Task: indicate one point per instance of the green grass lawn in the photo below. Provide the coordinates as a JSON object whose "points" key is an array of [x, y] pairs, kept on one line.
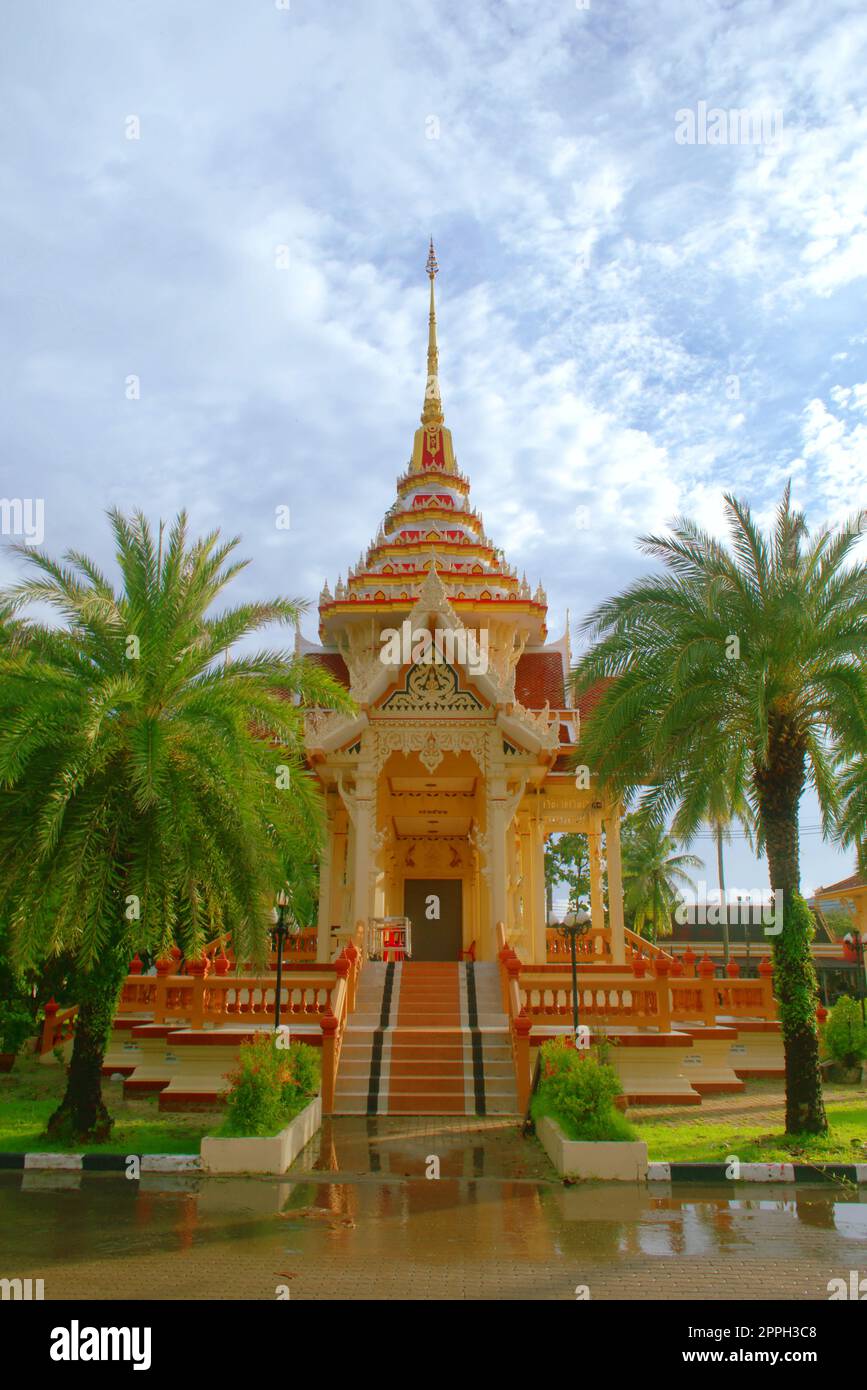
{"points": [[756, 1135], [30, 1092]]}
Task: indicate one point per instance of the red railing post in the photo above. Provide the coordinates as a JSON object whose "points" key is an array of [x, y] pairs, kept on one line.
{"points": [[48, 1026], [708, 990], [329, 1024], [521, 1029], [661, 967]]}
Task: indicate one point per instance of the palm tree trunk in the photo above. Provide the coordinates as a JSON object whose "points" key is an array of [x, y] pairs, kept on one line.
{"points": [[722, 891], [779, 787], [82, 1116]]}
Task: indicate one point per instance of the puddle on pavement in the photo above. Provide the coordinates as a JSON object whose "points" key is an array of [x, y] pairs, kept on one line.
{"points": [[356, 1217]]}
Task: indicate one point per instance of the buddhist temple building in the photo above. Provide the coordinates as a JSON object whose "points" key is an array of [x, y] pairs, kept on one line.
{"points": [[443, 787], [459, 759]]}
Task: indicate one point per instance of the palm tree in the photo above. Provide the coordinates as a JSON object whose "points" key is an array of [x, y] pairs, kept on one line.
{"points": [[759, 645], [153, 785], [716, 796], [851, 826], [653, 875]]}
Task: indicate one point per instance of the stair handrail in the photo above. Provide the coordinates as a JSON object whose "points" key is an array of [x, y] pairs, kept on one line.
{"points": [[639, 945], [519, 1023]]}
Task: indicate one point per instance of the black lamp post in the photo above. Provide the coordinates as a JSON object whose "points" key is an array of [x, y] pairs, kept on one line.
{"points": [[574, 924], [278, 917]]}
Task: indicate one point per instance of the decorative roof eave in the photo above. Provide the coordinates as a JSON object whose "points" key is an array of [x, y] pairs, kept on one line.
{"points": [[459, 481], [392, 579], [395, 520], [397, 547], [328, 731], [538, 732], [513, 605]]}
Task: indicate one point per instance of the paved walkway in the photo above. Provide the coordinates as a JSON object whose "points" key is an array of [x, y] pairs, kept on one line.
{"points": [[464, 1147], [356, 1218], [762, 1102]]}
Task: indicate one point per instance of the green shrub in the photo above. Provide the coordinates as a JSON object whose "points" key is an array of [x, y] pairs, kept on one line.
{"points": [[306, 1068], [16, 1025], [578, 1090], [270, 1085], [845, 1036]]}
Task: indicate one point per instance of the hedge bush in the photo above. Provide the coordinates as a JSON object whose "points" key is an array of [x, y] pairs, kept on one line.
{"points": [[578, 1090], [270, 1085], [845, 1036]]}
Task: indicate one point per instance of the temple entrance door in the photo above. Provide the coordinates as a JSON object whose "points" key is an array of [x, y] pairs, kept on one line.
{"points": [[433, 905]]}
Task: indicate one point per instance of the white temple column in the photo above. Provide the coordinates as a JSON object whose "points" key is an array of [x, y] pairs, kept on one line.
{"points": [[501, 808], [539, 899], [594, 847], [496, 853], [364, 821], [361, 809], [615, 887], [326, 890]]}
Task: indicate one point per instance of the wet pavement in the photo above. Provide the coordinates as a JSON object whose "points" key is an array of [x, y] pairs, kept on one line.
{"points": [[356, 1217]]}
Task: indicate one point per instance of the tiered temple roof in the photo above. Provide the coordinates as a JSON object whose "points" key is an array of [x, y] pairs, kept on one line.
{"points": [[432, 524]]}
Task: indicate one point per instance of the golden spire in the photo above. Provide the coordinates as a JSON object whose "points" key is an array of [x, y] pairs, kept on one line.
{"points": [[432, 412]]}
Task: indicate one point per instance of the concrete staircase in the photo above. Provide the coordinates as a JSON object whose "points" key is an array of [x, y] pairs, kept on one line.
{"points": [[427, 1038]]}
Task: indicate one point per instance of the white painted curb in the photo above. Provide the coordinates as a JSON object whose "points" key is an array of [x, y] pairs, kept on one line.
{"points": [[659, 1172], [67, 1161]]}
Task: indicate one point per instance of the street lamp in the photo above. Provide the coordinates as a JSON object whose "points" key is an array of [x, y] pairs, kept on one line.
{"points": [[278, 917], [574, 924]]}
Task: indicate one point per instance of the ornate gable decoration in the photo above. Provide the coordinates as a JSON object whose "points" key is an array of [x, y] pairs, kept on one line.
{"points": [[432, 687]]}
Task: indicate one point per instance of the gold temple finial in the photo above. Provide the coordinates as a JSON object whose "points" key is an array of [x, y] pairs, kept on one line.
{"points": [[432, 413]]}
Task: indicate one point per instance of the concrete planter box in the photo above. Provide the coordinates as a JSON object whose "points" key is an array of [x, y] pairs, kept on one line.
{"points": [[271, 1155], [608, 1162]]}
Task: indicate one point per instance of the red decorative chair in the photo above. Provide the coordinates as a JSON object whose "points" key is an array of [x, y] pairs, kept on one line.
{"points": [[393, 944]]}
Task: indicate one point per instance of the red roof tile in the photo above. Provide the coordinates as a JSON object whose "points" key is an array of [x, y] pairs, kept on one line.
{"points": [[333, 663], [591, 697], [539, 680], [853, 881]]}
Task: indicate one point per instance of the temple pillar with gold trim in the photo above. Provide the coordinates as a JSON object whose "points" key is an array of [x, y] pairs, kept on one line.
{"points": [[326, 887], [497, 894], [594, 848], [615, 887]]}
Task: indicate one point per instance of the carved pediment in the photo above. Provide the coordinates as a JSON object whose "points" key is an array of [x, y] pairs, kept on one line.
{"points": [[432, 687]]}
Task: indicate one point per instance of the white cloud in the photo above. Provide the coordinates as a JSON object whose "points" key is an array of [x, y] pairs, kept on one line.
{"points": [[834, 451]]}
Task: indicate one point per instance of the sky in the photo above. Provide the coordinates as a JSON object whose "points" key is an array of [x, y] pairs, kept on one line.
{"points": [[214, 222]]}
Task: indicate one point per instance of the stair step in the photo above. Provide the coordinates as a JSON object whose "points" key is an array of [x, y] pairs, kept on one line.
{"points": [[406, 1066], [434, 1085], [427, 1049], [427, 1105]]}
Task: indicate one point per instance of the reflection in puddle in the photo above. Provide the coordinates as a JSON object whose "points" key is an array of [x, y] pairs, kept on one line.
{"points": [[356, 1217]]}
